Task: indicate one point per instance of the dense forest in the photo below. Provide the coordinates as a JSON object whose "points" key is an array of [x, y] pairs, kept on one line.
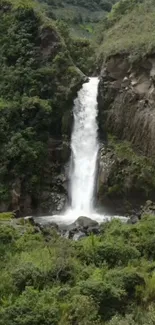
{"points": [[107, 277]]}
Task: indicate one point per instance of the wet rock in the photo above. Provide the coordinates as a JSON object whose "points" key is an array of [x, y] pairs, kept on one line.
{"points": [[15, 197], [37, 229], [148, 204], [133, 219], [30, 220], [148, 208], [67, 234], [79, 236], [83, 226], [85, 222], [47, 228], [93, 230], [52, 202], [27, 205]]}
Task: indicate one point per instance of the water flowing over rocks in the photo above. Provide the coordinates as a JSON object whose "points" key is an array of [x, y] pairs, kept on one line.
{"points": [[84, 146], [81, 228]]}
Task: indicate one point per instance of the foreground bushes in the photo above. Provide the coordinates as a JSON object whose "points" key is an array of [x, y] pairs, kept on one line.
{"points": [[107, 279]]}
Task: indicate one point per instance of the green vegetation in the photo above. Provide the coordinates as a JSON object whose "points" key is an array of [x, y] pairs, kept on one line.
{"points": [[129, 28], [6, 216], [46, 279], [80, 15], [98, 280], [80, 49], [132, 174], [38, 81]]}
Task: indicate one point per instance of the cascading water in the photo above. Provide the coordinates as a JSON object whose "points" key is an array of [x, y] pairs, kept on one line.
{"points": [[84, 145]]}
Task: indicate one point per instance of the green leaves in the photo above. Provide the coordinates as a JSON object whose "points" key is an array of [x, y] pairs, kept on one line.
{"points": [[99, 279], [36, 92]]}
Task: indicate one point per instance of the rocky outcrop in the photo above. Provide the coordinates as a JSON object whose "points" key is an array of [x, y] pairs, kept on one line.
{"points": [[81, 228], [127, 112], [127, 101], [123, 184], [51, 196]]}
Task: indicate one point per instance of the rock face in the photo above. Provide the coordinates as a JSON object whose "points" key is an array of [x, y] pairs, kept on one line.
{"points": [[53, 193], [126, 101], [120, 187], [51, 196], [85, 222], [126, 111]]}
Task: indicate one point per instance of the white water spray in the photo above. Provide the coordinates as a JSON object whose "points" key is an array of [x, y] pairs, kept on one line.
{"points": [[84, 145]]}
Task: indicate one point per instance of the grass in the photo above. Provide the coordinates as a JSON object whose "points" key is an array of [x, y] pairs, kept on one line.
{"points": [[6, 216], [133, 34]]}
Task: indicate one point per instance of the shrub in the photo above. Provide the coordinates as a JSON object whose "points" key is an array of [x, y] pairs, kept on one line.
{"points": [[110, 298], [28, 275], [32, 307]]}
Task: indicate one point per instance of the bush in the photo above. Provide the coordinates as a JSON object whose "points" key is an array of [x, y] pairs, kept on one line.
{"points": [[98, 251], [110, 298], [32, 307], [28, 275], [8, 234], [81, 310]]}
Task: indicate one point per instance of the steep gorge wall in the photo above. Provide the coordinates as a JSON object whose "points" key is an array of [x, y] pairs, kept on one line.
{"points": [[127, 101], [127, 115]]}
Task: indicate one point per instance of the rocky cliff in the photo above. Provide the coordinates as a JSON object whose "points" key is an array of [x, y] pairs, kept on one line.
{"points": [[127, 99], [126, 113]]}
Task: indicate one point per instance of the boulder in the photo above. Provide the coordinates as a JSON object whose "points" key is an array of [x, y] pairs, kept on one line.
{"points": [[148, 208], [47, 229], [93, 230], [30, 220], [79, 235], [85, 222], [133, 219]]}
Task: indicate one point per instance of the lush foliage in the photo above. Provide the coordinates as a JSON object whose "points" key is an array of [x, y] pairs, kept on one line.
{"points": [[128, 29], [51, 280], [80, 15], [131, 173], [81, 49], [38, 81]]}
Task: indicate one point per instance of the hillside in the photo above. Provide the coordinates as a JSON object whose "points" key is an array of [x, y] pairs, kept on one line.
{"points": [[129, 29], [82, 273], [38, 82], [82, 16]]}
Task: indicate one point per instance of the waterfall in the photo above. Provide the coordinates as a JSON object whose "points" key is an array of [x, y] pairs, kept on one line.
{"points": [[84, 146], [83, 165]]}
